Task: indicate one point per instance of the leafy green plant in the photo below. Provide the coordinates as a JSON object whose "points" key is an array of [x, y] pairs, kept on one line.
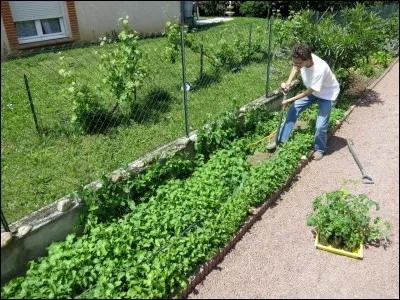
{"points": [[381, 58], [124, 65], [172, 31], [88, 112], [343, 220]]}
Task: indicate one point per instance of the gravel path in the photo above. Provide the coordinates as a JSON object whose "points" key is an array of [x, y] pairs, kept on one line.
{"points": [[277, 257]]}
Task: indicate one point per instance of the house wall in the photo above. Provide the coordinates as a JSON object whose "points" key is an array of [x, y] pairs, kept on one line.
{"points": [[96, 18], [9, 39], [89, 20], [4, 41]]}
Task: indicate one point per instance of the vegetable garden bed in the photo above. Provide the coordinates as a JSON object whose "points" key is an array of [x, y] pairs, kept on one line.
{"points": [[149, 246]]}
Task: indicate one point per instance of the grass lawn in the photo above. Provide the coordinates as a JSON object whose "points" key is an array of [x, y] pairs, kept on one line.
{"points": [[39, 169]]}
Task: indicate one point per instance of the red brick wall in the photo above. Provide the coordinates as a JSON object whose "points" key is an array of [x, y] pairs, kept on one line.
{"points": [[73, 19], [9, 25], [12, 33]]}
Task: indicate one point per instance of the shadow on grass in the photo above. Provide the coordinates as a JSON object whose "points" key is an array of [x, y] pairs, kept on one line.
{"points": [[255, 57], [98, 121], [207, 79], [151, 107]]}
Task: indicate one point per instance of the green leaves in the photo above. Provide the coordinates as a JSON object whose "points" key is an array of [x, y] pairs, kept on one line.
{"points": [[340, 216], [125, 65]]}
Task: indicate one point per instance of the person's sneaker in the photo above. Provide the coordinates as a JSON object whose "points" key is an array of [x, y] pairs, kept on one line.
{"points": [[318, 155], [271, 145]]}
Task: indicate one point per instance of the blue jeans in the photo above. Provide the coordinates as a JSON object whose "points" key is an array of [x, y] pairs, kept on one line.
{"points": [[321, 128]]}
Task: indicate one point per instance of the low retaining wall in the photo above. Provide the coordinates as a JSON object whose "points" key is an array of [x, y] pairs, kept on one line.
{"points": [[31, 235]]}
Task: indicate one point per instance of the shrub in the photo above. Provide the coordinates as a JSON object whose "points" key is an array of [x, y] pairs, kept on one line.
{"points": [[124, 66], [257, 9]]}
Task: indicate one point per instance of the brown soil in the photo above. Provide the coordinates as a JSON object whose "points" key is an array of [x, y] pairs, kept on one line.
{"points": [[258, 157]]}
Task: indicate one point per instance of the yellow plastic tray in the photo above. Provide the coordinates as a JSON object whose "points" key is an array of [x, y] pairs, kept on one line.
{"points": [[358, 253]]}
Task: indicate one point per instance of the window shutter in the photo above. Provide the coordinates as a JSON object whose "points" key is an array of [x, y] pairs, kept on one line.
{"points": [[35, 10]]}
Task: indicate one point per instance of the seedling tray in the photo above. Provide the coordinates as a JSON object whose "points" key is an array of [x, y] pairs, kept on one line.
{"points": [[358, 253]]}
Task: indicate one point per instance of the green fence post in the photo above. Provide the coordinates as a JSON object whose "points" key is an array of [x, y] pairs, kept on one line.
{"points": [[269, 54], [184, 83], [201, 58], [31, 103], [4, 222], [251, 25]]}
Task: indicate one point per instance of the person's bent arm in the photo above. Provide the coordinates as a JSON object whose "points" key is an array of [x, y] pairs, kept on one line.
{"points": [[306, 93], [293, 73]]}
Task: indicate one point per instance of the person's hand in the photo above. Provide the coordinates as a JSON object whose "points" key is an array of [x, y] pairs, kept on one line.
{"points": [[284, 86], [285, 103]]}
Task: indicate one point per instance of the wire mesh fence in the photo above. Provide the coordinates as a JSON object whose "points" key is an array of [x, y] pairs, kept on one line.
{"points": [[71, 114]]}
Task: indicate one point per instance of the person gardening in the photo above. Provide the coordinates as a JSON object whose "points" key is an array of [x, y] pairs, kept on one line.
{"points": [[322, 87]]}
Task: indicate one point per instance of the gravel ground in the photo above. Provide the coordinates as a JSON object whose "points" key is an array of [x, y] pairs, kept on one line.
{"points": [[277, 258]]}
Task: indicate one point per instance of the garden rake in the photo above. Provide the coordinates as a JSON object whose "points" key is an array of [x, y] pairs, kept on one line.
{"points": [[280, 120], [365, 178]]}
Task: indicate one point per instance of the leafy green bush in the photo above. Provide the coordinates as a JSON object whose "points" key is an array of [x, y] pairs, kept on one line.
{"points": [[124, 65], [172, 31], [342, 220], [88, 112], [257, 9], [231, 49], [345, 39]]}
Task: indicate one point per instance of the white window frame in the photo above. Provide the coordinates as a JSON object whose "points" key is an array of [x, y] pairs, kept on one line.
{"points": [[44, 37]]}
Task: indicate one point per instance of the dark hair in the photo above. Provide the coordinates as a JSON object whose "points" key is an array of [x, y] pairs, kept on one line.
{"points": [[301, 51]]}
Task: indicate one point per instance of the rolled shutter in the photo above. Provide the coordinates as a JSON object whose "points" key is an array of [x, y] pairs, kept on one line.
{"points": [[35, 10]]}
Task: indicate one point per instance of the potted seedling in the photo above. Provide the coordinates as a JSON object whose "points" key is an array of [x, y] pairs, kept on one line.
{"points": [[343, 223]]}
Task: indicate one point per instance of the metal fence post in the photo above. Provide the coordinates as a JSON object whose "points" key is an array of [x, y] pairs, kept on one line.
{"points": [[31, 103], [251, 25], [184, 82], [201, 58], [4, 222], [269, 53]]}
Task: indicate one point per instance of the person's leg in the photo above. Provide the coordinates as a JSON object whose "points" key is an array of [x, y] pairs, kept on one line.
{"points": [[294, 111], [321, 127]]}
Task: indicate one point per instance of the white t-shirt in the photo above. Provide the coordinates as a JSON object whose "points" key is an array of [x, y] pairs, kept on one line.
{"points": [[320, 78]]}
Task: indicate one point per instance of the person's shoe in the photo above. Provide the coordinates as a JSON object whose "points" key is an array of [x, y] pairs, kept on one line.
{"points": [[271, 145], [318, 155]]}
